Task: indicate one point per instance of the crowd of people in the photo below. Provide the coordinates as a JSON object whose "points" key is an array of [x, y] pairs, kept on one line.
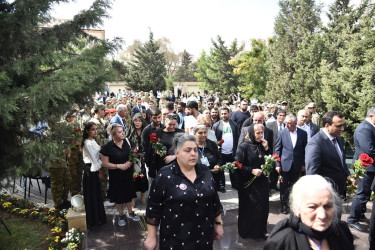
{"points": [[182, 141]]}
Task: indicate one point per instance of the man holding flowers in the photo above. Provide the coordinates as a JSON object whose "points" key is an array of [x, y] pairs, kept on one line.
{"points": [[364, 143]]}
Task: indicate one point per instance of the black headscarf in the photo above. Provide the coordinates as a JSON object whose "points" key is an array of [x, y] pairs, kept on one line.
{"points": [[252, 135]]}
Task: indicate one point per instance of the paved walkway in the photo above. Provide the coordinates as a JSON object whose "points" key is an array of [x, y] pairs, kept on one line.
{"points": [[111, 236]]}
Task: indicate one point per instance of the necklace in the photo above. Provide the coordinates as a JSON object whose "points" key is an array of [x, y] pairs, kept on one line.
{"points": [[259, 153]]}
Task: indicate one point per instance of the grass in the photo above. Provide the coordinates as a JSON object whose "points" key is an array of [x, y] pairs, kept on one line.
{"points": [[26, 233]]}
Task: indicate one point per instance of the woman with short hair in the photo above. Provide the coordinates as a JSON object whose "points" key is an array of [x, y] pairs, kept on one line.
{"points": [[184, 202], [115, 157], [314, 222], [208, 152]]}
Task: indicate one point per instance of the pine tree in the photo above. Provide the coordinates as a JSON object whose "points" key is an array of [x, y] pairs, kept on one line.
{"points": [[214, 69], [291, 65], [185, 72], [148, 69], [348, 72], [43, 71]]}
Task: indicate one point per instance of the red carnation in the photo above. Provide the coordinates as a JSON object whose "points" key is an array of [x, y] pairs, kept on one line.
{"points": [[277, 157], [366, 160], [238, 165], [152, 135]]}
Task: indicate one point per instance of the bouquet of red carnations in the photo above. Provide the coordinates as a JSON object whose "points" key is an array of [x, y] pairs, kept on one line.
{"points": [[157, 145]]}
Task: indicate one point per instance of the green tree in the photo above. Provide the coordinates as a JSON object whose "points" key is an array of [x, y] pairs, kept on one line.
{"points": [[185, 72], [148, 70], [43, 71], [348, 70], [252, 66], [214, 69], [295, 25]]}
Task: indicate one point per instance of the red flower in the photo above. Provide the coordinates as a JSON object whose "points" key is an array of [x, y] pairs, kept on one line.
{"points": [[366, 160], [154, 139], [238, 165], [277, 157], [191, 128], [282, 181], [152, 135]]}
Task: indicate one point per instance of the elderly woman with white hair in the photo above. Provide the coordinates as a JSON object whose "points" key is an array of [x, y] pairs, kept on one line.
{"points": [[313, 223]]}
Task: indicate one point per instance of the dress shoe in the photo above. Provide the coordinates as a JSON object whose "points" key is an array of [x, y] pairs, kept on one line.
{"points": [[357, 227], [365, 220], [222, 189], [284, 209]]}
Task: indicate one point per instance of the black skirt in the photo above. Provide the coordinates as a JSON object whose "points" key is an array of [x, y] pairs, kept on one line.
{"points": [[95, 213]]}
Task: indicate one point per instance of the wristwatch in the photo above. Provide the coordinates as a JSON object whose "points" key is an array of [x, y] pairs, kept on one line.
{"points": [[220, 222]]}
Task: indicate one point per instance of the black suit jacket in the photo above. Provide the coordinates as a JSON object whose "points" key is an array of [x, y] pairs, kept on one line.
{"points": [[322, 158], [364, 142], [218, 129], [268, 136], [135, 110]]}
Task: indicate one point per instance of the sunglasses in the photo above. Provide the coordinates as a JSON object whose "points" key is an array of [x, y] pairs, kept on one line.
{"points": [[172, 117]]}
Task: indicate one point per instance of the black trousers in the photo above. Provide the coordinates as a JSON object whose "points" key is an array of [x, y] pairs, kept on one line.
{"points": [[288, 180], [358, 208]]}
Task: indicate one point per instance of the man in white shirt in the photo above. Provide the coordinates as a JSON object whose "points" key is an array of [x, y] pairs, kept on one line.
{"points": [[227, 130], [290, 147], [191, 120]]}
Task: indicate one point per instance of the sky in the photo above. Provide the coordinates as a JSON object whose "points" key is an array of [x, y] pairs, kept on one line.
{"points": [[188, 24]]}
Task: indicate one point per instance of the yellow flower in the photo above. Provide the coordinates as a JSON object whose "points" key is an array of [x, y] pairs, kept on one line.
{"points": [[57, 239], [7, 204]]}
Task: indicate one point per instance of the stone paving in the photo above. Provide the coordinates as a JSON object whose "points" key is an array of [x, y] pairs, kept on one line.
{"points": [[111, 236]]}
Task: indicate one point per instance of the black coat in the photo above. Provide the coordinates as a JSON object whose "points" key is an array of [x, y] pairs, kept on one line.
{"points": [[286, 236], [218, 129]]}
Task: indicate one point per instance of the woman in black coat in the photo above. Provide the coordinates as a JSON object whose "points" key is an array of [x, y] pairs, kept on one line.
{"points": [[313, 223], [253, 200]]}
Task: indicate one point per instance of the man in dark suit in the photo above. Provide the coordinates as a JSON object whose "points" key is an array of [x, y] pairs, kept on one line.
{"points": [[278, 125], [364, 143], [171, 97], [227, 130], [138, 108], [325, 152], [290, 146]]}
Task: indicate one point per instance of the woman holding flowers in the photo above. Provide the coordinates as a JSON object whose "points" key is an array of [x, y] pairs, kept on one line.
{"points": [[115, 157], [253, 199], [134, 135], [95, 213], [165, 137], [208, 152]]}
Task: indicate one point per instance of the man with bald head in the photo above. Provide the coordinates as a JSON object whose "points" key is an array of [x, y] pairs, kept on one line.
{"points": [[258, 118]]}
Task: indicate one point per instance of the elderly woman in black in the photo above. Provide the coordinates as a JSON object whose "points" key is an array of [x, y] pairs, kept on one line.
{"points": [[313, 223], [165, 136], [208, 152], [115, 157], [184, 201], [133, 133], [253, 207]]}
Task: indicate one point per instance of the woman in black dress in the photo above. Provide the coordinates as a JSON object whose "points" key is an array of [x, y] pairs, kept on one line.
{"points": [[253, 206], [115, 157], [165, 136], [95, 213], [134, 135]]}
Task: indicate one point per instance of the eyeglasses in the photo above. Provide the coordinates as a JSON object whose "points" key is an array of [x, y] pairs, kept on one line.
{"points": [[172, 117]]}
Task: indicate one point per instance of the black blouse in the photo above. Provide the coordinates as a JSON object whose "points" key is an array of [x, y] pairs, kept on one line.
{"points": [[185, 210], [210, 151], [118, 155]]}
